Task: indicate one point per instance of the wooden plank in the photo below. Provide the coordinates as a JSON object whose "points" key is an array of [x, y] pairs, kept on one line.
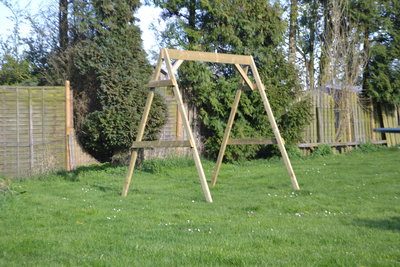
{"points": [[178, 123], [176, 65], [228, 129], [17, 132], [67, 125], [274, 126], [307, 145], [31, 150], [252, 141], [186, 124], [386, 125], [142, 126], [12, 88], [209, 57], [245, 78], [320, 124], [139, 137], [225, 139], [158, 143], [160, 83]]}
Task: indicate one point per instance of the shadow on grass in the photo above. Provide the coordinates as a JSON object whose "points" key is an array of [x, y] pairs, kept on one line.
{"points": [[73, 176], [392, 223], [104, 188]]}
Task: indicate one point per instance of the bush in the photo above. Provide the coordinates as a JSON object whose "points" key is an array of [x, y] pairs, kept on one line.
{"points": [[323, 150], [368, 147], [109, 78], [293, 151]]}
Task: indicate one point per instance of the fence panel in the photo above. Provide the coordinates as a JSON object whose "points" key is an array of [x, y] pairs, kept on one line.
{"points": [[327, 125], [32, 131]]}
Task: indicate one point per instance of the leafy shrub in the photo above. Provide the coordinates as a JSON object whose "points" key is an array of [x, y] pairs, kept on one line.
{"points": [[109, 78], [323, 150], [293, 151], [368, 147]]}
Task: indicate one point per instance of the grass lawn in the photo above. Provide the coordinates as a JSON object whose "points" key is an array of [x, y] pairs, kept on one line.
{"points": [[346, 214]]}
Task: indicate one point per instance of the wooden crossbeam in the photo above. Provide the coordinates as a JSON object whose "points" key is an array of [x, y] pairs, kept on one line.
{"points": [[252, 141], [209, 57], [245, 78], [176, 65], [158, 143], [160, 83]]}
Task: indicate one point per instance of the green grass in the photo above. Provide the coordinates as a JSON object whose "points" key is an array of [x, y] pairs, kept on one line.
{"points": [[347, 214]]}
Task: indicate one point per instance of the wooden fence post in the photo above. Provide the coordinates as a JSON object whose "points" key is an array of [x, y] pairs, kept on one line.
{"points": [[67, 126], [31, 153]]}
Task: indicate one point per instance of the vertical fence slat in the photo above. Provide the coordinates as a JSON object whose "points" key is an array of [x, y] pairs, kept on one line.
{"points": [[18, 141], [31, 152]]}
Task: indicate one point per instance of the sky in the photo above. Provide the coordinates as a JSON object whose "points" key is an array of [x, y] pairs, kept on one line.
{"points": [[146, 15]]}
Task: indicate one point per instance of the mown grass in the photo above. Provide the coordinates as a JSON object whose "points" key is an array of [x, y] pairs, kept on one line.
{"points": [[347, 214]]}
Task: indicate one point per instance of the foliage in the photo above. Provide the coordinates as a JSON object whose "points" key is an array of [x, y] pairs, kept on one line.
{"points": [[15, 71], [97, 46], [255, 220], [293, 151], [108, 71], [382, 75], [368, 147], [231, 27], [323, 150]]}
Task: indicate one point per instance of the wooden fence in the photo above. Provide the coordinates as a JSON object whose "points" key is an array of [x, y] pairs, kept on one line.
{"points": [[33, 131], [329, 124]]}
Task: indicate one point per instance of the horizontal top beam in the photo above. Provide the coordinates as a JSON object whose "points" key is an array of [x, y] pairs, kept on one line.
{"points": [[209, 57]]}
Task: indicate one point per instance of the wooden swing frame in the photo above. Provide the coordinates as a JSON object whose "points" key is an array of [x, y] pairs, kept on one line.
{"points": [[180, 56]]}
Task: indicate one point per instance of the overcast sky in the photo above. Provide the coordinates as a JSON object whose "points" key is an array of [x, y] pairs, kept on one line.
{"points": [[146, 15]]}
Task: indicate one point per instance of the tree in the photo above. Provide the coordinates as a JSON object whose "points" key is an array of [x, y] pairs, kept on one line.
{"points": [[110, 77], [14, 71], [382, 74], [98, 47], [236, 27], [308, 42], [15, 67]]}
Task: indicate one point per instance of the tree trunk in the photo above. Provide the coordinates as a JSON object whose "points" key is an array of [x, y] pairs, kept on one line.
{"points": [[192, 22], [312, 27], [293, 31], [63, 24], [326, 45]]}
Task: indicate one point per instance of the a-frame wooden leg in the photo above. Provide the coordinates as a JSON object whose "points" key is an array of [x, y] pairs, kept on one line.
{"points": [[186, 123], [226, 137], [140, 133], [228, 130], [274, 126], [139, 137]]}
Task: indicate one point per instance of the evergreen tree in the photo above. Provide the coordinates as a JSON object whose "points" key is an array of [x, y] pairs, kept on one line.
{"points": [[382, 74], [235, 27], [111, 72]]}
